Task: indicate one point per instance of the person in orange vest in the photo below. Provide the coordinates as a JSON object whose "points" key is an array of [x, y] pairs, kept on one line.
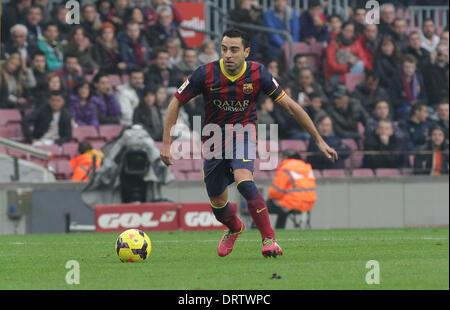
{"points": [[293, 189], [82, 164]]}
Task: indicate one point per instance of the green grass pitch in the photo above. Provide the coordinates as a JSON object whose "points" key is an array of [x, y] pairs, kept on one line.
{"points": [[412, 258]]}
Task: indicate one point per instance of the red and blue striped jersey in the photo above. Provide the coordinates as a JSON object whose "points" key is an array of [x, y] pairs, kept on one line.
{"points": [[230, 99]]}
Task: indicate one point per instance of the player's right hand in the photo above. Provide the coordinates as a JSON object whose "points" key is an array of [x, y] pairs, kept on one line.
{"points": [[165, 154]]}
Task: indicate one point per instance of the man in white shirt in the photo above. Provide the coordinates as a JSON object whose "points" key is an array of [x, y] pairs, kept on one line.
{"points": [[129, 95], [428, 35]]}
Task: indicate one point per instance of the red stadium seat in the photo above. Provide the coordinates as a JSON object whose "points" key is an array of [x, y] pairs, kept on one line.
{"points": [[297, 145], [261, 174], [183, 165], [406, 171], [6, 133], [297, 48], [197, 164], [70, 149], [82, 133], [114, 80], [317, 173], [194, 175], [54, 149], [386, 172], [353, 79], [109, 132], [363, 173], [333, 173], [63, 169], [9, 116]]}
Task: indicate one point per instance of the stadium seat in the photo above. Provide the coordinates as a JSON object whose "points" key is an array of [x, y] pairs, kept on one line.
{"points": [[82, 133], [97, 145], [63, 169], [317, 173], [2, 150], [333, 173], [297, 145], [194, 175], [6, 133], [9, 116], [54, 149], [109, 132], [297, 47], [70, 149], [386, 172], [362, 173], [261, 174], [114, 80], [317, 48], [406, 171], [183, 165], [16, 153], [197, 164], [353, 79]]}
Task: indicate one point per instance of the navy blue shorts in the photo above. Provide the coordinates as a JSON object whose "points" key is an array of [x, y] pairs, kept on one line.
{"points": [[218, 173]]}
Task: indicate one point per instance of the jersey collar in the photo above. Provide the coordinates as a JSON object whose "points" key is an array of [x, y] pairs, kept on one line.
{"points": [[232, 78]]}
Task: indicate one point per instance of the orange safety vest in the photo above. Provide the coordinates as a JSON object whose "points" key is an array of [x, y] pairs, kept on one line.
{"points": [[82, 164], [294, 186]]}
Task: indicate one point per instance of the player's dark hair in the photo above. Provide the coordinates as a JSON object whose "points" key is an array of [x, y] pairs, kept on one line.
{"points": [[237, 33]]}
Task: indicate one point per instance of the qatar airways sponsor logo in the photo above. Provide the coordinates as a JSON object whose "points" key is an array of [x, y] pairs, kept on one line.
{"points": [[134, 219], [201, 219], [231, 105]]}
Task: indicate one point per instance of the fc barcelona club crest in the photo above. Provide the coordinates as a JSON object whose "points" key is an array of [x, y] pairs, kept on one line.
{"points": [[247, 88]]}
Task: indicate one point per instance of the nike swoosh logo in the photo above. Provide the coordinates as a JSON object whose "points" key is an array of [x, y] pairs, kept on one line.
{"points": [[260, 210], [245, 160], [215, 89]]}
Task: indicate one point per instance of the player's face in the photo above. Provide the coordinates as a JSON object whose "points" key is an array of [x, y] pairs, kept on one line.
{"points": [[233, 54]]}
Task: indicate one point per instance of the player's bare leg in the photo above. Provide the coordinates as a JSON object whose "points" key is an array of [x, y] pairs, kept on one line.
{"points": [[226, 213], [257, 208]]}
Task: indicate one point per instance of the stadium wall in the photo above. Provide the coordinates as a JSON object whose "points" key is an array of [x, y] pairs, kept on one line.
{"points": [[342, 203]]}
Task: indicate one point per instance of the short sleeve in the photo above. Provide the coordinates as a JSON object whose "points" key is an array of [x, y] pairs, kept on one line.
{"points": [[270, 86], [192, 87]]}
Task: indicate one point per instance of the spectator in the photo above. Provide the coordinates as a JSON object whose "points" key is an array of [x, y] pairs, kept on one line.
{"points": [[60, 21], [359, 20], [264, 116], [151, 17], [15, 79], [165, 28], [416, 128], [313, 24], [346, 113], [107, 105], [389, 145], [387, 17], [335, 25], [160, 73], [19, 44], [148, 114], [80, 47], [45, 6], [82, 165], [53, 82], [173, 46], [386, 61], [415, 48], [300, 61], [407, 87], [33, 23], [274, 68], [39, 71], [428, 35], [293, 188], [369, 43], [104, 8], [71, 73], [318, 161], [129, 95], [189, 61], [314, 106], [52, 122], [135, 15], [106, 51], [81, 106], [13, 13], [381, 111], [207, 52], [442, 117], [118, 13], [435, 162], [288, 126], [344, 55], [90, 21], [444, 36], [370, 92], [51, 46], [400, 36], [305, 85], [435, 75], [281, 17], [133, 49]]}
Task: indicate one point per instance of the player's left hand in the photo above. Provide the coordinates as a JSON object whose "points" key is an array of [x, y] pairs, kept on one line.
{"points": [[165, 155], [329, 152]]}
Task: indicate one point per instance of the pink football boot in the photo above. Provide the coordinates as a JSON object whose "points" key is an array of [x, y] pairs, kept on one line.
{"points": [[227, 242], [271, 248]]}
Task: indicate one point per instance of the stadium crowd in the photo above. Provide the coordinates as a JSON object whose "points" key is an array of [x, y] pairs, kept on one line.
{"points": [[122, 63]]}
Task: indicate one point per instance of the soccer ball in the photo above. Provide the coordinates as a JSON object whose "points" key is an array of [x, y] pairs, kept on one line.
{"points": [[133, 245]]}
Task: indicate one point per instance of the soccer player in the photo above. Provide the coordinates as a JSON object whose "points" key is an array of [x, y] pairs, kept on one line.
{"points": [[229, 87]]}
